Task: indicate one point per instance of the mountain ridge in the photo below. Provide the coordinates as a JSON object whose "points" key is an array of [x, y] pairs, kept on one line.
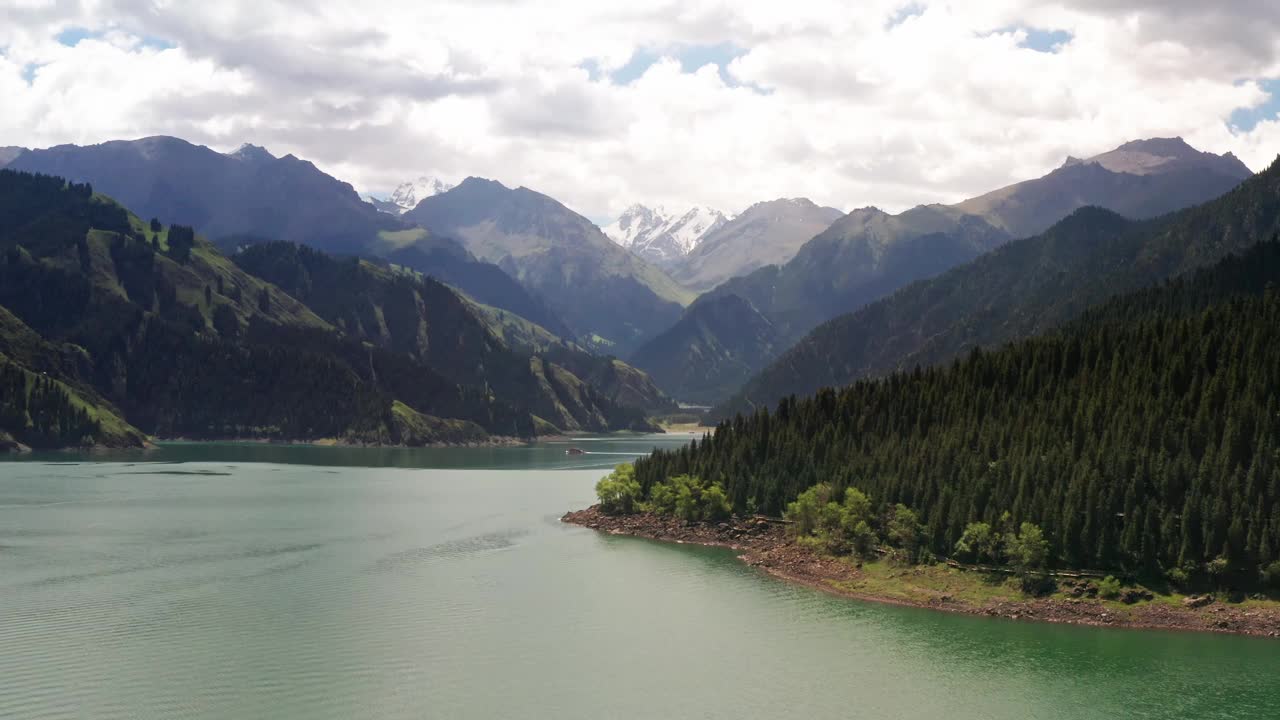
{"points": [[250, 195], [609, 297], [661, 237], [766, 233], [408, 194], [1023, 288], [184, 342], [249, 191], [868, 254]]}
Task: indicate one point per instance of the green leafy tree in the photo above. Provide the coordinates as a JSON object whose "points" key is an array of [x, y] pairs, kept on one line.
{"points": [[856, 523], [1028, 550], [1219, 569], [904, 529], [1109, 588], [978, 543], [619, 491], [715, 503], [863, 539], [662, 499], [688, 498], [1271, 575], [805, 512]]}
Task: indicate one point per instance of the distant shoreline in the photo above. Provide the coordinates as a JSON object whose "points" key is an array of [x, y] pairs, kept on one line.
{"points": [[694, 429], [154, 443], [493, 441], [765, 545]]}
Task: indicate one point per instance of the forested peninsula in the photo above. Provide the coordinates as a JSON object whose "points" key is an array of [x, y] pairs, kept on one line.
{"points": [[1123, 469]]}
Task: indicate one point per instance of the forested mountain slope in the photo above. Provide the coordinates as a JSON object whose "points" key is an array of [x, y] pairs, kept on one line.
{"points": [[246, 192], [45, 398], [1023, 288], [868, 254], [419, 317], [711, 350], [252, 196], [1143, 437], [450, 263], [185, 343]]}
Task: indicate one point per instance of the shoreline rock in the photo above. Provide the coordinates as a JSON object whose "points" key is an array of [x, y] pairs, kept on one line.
{"points": [[764, 544]]}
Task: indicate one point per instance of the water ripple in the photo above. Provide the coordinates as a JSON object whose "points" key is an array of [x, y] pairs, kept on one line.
{"points": [[448, 550]]}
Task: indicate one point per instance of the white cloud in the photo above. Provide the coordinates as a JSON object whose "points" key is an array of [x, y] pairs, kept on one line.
{"points": [[889, 102]]}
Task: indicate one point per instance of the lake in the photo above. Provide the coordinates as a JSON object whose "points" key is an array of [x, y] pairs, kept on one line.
{"points": [[254, 581]]}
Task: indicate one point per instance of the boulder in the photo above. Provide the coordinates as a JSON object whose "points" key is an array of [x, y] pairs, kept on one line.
{"points": [[1133, 595]]}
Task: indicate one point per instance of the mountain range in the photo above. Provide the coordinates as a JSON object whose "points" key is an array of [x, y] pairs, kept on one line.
{"points": [[407, 195], [766, 233], [869, 253], [249, 192], [701, 247], [251, 196], [113, 327], [542, 276], [1022, 288], [610, 298]]}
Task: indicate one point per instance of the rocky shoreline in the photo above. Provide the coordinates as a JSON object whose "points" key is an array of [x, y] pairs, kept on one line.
{"points": [[765, 545]]}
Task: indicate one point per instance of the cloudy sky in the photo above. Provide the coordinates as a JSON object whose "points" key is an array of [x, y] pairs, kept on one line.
{"points": [[601, 104]]}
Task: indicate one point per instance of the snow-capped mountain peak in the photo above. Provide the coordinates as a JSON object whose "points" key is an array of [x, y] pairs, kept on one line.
{"points": [[635, 223], [661, 236], [694, 225], [407, 196]]}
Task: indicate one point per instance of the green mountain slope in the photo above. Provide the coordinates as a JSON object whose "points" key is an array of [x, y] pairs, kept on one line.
{"points": [[246, 192], [250, 195], [44, 400], [450, 263], [1143, 437], [1018, 290], [715, 347], [185, 343], [173, 333], [622, 383], [423, 319]]}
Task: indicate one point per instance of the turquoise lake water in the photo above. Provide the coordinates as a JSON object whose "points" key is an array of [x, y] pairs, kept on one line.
{"points": [[259, 581]]}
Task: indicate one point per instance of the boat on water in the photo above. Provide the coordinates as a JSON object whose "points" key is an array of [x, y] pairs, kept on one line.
{"points": [[575, 451]]}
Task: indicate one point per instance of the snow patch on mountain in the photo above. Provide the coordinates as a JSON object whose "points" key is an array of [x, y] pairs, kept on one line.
{"points": [[661, 236], [407, 196]]}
